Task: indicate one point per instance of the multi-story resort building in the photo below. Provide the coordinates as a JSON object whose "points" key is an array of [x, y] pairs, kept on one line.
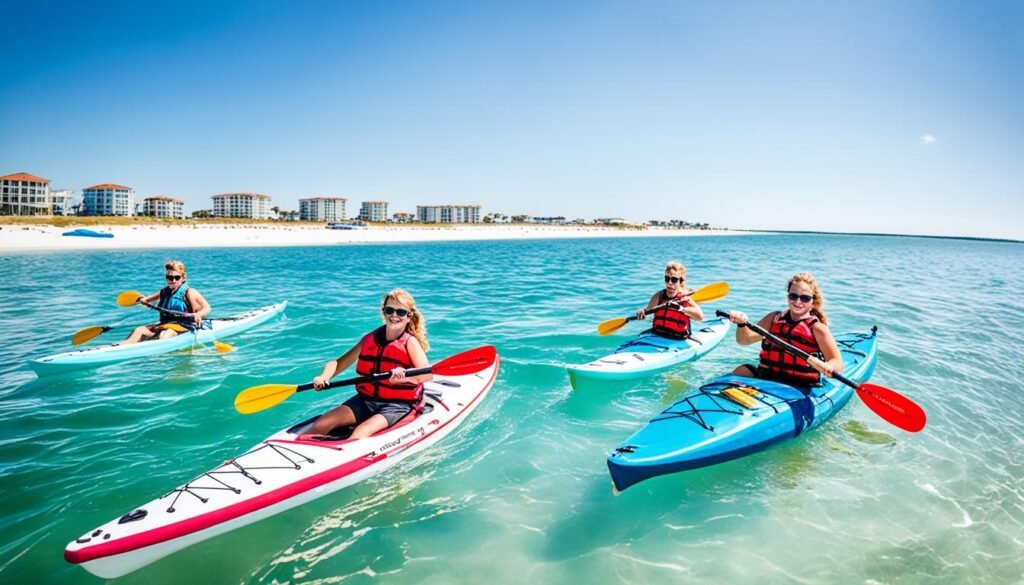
{"points": [[448, 213], [108, 199], [249, 205], [322, 209], [162, 206], [24, 194], [374, 211], [60, 201]]}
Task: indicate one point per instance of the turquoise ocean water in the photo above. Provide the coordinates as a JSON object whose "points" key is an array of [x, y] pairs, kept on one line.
{"points": [[520, 492]]}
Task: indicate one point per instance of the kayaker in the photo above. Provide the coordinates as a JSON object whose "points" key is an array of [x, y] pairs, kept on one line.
{"points": [[803, 324], [673, 321], [177, 296], [400, 344]]}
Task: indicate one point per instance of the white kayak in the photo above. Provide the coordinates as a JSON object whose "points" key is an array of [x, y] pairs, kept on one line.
{"points": [[282, 472], [115, 352], [649, 354]]}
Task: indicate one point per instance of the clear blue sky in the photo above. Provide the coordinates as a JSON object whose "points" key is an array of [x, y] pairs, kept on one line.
{"points": [[881, 116]]}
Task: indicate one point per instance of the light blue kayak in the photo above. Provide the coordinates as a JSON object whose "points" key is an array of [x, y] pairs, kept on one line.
{"points": [[649, 354], [734, 416], [105, 354]]}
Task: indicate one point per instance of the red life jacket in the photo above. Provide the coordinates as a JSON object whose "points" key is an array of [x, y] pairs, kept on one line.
{"points": [[779, 364], [377, 355], [671, 321]]}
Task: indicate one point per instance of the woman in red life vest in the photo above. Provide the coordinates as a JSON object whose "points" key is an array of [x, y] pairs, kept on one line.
{"points": [[398, 345], [177, 296], [804, 325], [673, 320]]}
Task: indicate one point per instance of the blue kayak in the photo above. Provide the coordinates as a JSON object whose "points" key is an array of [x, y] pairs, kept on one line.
{"points": [[88, 233], [734, 416]]}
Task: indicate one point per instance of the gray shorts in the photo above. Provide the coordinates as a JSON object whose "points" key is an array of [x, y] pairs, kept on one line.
{"points": [[364, 408]]}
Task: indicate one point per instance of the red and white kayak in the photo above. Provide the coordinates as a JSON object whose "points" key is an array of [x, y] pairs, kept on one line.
{"points": [[282, 472]]}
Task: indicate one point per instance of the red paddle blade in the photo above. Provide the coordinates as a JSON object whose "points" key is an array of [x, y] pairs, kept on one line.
{"points": [[467, 362], [893, 407]]}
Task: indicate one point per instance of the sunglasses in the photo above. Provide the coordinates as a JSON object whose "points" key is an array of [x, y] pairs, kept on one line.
{"points": [[173, 277], [394, 311], [803, 298], [674, 279]]}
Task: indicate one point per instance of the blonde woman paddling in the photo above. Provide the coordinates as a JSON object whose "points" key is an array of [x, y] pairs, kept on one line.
{"points": [[178, 297], [804, 325], [398, 345]]}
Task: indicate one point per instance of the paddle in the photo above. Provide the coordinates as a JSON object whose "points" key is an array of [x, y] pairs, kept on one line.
{"points": [[265, 396], [130, 298], [88, 333], [710, 292], [892, 406]]}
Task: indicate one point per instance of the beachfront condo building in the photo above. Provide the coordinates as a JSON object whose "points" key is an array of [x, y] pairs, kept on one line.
{"points": [[374, 211], [448, 213], [61, 201], [248, 205], [322, 209], [108, 199], [163, 206], [25, 194]]}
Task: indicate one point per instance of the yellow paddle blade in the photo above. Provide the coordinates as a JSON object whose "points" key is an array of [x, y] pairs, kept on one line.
{"points": [[710, 292], [611, 325], [174, 327], [86, 334], [128, 298], [262, 397], [223, 347]]}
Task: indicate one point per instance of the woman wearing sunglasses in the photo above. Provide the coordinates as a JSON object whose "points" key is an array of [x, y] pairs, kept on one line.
{"points": [[177, 296], [802, 324], [673, 319], [398, 345]]}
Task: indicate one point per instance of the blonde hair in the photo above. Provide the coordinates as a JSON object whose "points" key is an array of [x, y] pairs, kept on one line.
{"points": [[176, 265], [417, 327], [676, 266], [819, 299]]}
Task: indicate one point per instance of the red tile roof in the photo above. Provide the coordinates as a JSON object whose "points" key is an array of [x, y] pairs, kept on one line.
{"points": [[106, 186], [24, 177]]}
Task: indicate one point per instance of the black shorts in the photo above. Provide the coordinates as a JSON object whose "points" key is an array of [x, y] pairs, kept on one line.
{"points": [[364, 408], [764, 374]]}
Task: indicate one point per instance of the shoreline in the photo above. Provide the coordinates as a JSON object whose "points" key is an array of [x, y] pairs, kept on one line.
{"points": [[43, 238]]}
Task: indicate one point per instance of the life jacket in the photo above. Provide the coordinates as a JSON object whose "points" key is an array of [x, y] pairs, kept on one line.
{"points": [[376, 356], [776, 363], [176, 301], [671, 321]]}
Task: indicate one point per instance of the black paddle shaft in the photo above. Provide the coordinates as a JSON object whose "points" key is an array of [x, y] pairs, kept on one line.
{"points": [[788, 347], [163, 310], [369, 378]]}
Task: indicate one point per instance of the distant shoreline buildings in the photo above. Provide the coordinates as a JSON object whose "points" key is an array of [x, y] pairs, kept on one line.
{"points": [[322, 209], [244, 205], [162, 206], [26, 194], [448, 213], [108, 199]]}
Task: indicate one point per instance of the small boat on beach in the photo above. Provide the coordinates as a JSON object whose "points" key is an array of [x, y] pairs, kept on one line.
{"points": [[87, 233], [116, 352], [648, 354], [283, 471]]}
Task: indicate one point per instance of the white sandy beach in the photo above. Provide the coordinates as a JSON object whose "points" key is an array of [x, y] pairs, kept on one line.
{"points": [[15, 238]]}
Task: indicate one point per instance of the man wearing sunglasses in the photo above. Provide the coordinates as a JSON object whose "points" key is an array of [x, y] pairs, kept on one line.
{"points": [[673, 308], [178, 297]]}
